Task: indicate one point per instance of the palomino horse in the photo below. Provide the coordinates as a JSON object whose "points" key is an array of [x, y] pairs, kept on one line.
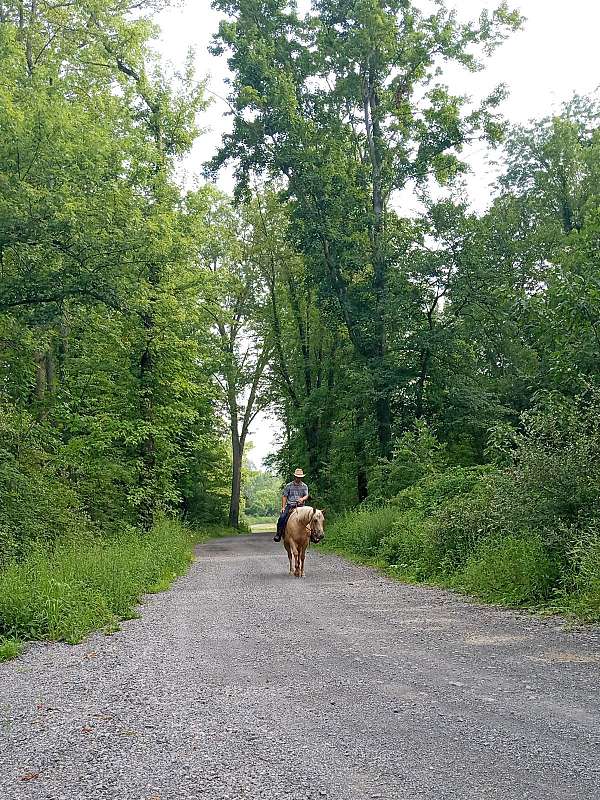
{"points": [[304, 525]]}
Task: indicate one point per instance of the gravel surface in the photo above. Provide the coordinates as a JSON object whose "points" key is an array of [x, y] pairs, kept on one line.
{"points": [[243, 682]]}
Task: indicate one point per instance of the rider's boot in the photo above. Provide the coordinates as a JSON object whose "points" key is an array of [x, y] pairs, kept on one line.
{"points": [[280, 531]]}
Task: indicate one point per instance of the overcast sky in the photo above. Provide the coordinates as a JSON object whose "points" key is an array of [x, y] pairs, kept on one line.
{"points": [[555, 55]]}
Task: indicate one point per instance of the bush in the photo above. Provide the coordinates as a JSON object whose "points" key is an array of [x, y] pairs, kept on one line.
{"points": [[439, 521], [407, 549], [9, 648], [461, 520], [65, 591], [417, 453], [556, 472], [360, 531], [585, 556], [522, 532], [510, 570]]}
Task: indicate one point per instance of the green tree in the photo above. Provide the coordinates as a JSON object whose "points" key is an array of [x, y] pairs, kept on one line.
{"points": [[105, 397], [346, 106]]}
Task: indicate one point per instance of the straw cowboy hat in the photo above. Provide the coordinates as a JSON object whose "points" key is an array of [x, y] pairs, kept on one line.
{"points": [[298, 473]]}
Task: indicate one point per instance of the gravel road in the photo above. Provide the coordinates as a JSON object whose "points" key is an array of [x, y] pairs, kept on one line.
{"points": [[242, 682]]}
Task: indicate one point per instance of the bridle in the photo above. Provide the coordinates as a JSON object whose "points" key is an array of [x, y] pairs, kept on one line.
{"points": [[312, 531]]}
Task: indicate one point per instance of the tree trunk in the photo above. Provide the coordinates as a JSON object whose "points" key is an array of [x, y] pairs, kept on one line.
{"points": [[62, 350], [311, 435], [50, 371], [420, 392], [362, 487], [236, 487], [148, 445], [376, 145]]}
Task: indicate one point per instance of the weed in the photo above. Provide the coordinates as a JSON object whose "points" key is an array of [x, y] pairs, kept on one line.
{"points": [[79, 584]]}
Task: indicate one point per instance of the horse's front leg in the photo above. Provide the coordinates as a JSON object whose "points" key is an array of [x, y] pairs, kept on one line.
{"points": [[297, 556], [302, 557], [289, 552]]}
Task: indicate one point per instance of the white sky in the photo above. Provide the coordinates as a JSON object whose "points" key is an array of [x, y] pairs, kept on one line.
{"points": [[555, 55]]}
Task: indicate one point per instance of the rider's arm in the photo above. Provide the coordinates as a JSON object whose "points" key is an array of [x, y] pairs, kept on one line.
{"points": [[305, 497], [283, 502]]}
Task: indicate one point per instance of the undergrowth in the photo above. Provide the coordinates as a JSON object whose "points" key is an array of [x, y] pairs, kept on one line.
{"points": [[66, 590], [474, 530], [523, 531]]}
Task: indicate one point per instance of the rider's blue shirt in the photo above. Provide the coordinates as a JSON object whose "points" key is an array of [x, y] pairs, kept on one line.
{"points": [[293, 491]]}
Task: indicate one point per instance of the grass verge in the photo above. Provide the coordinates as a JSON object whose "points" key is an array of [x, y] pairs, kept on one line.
{"points": [[9, 648], [65, 592], [510, 571]]}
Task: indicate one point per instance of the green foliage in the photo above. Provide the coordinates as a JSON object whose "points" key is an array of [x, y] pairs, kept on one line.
{"points": [[66, 590], [9, 648], [522, 535], [584, 598], [107, 404], [408, 549], [343, 148], [511, 570], [438, 520], [262, 494], [401, 355], [360, 532], [416, 453]]}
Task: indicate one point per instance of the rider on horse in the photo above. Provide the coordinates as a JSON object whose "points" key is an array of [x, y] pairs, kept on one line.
{"points": [[294, 495]]}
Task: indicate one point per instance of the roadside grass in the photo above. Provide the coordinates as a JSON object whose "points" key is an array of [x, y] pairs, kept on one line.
{"points": [[9, 648], [510, 571], [264, 527], [360, 532], [78, 585]]}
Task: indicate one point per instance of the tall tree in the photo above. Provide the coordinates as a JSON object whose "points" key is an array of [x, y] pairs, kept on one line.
{"points": [[346, 105], [305, 336]]}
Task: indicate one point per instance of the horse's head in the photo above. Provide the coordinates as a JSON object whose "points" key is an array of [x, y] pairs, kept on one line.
{"points": [[317, 524]]}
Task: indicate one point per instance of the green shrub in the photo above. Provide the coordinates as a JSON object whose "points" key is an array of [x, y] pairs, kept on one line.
{"points": [[417, 453], [585, 556], [556, 472], [361, 531], [522, 532], [462, 520], [432, 491], [512, 570], [407, 549], [440, 520], [65, 591], [9, 648]]}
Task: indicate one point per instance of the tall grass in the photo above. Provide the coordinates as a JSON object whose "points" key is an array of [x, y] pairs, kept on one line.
{"points": [[360, 532], [470, 530], [66, 591], [511, 570]]}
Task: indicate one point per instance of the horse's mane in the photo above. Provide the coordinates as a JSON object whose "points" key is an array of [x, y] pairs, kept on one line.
{"points": [[306, 513]]}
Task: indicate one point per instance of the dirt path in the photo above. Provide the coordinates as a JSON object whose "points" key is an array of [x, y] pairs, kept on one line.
{"points": [[244, 683]]}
